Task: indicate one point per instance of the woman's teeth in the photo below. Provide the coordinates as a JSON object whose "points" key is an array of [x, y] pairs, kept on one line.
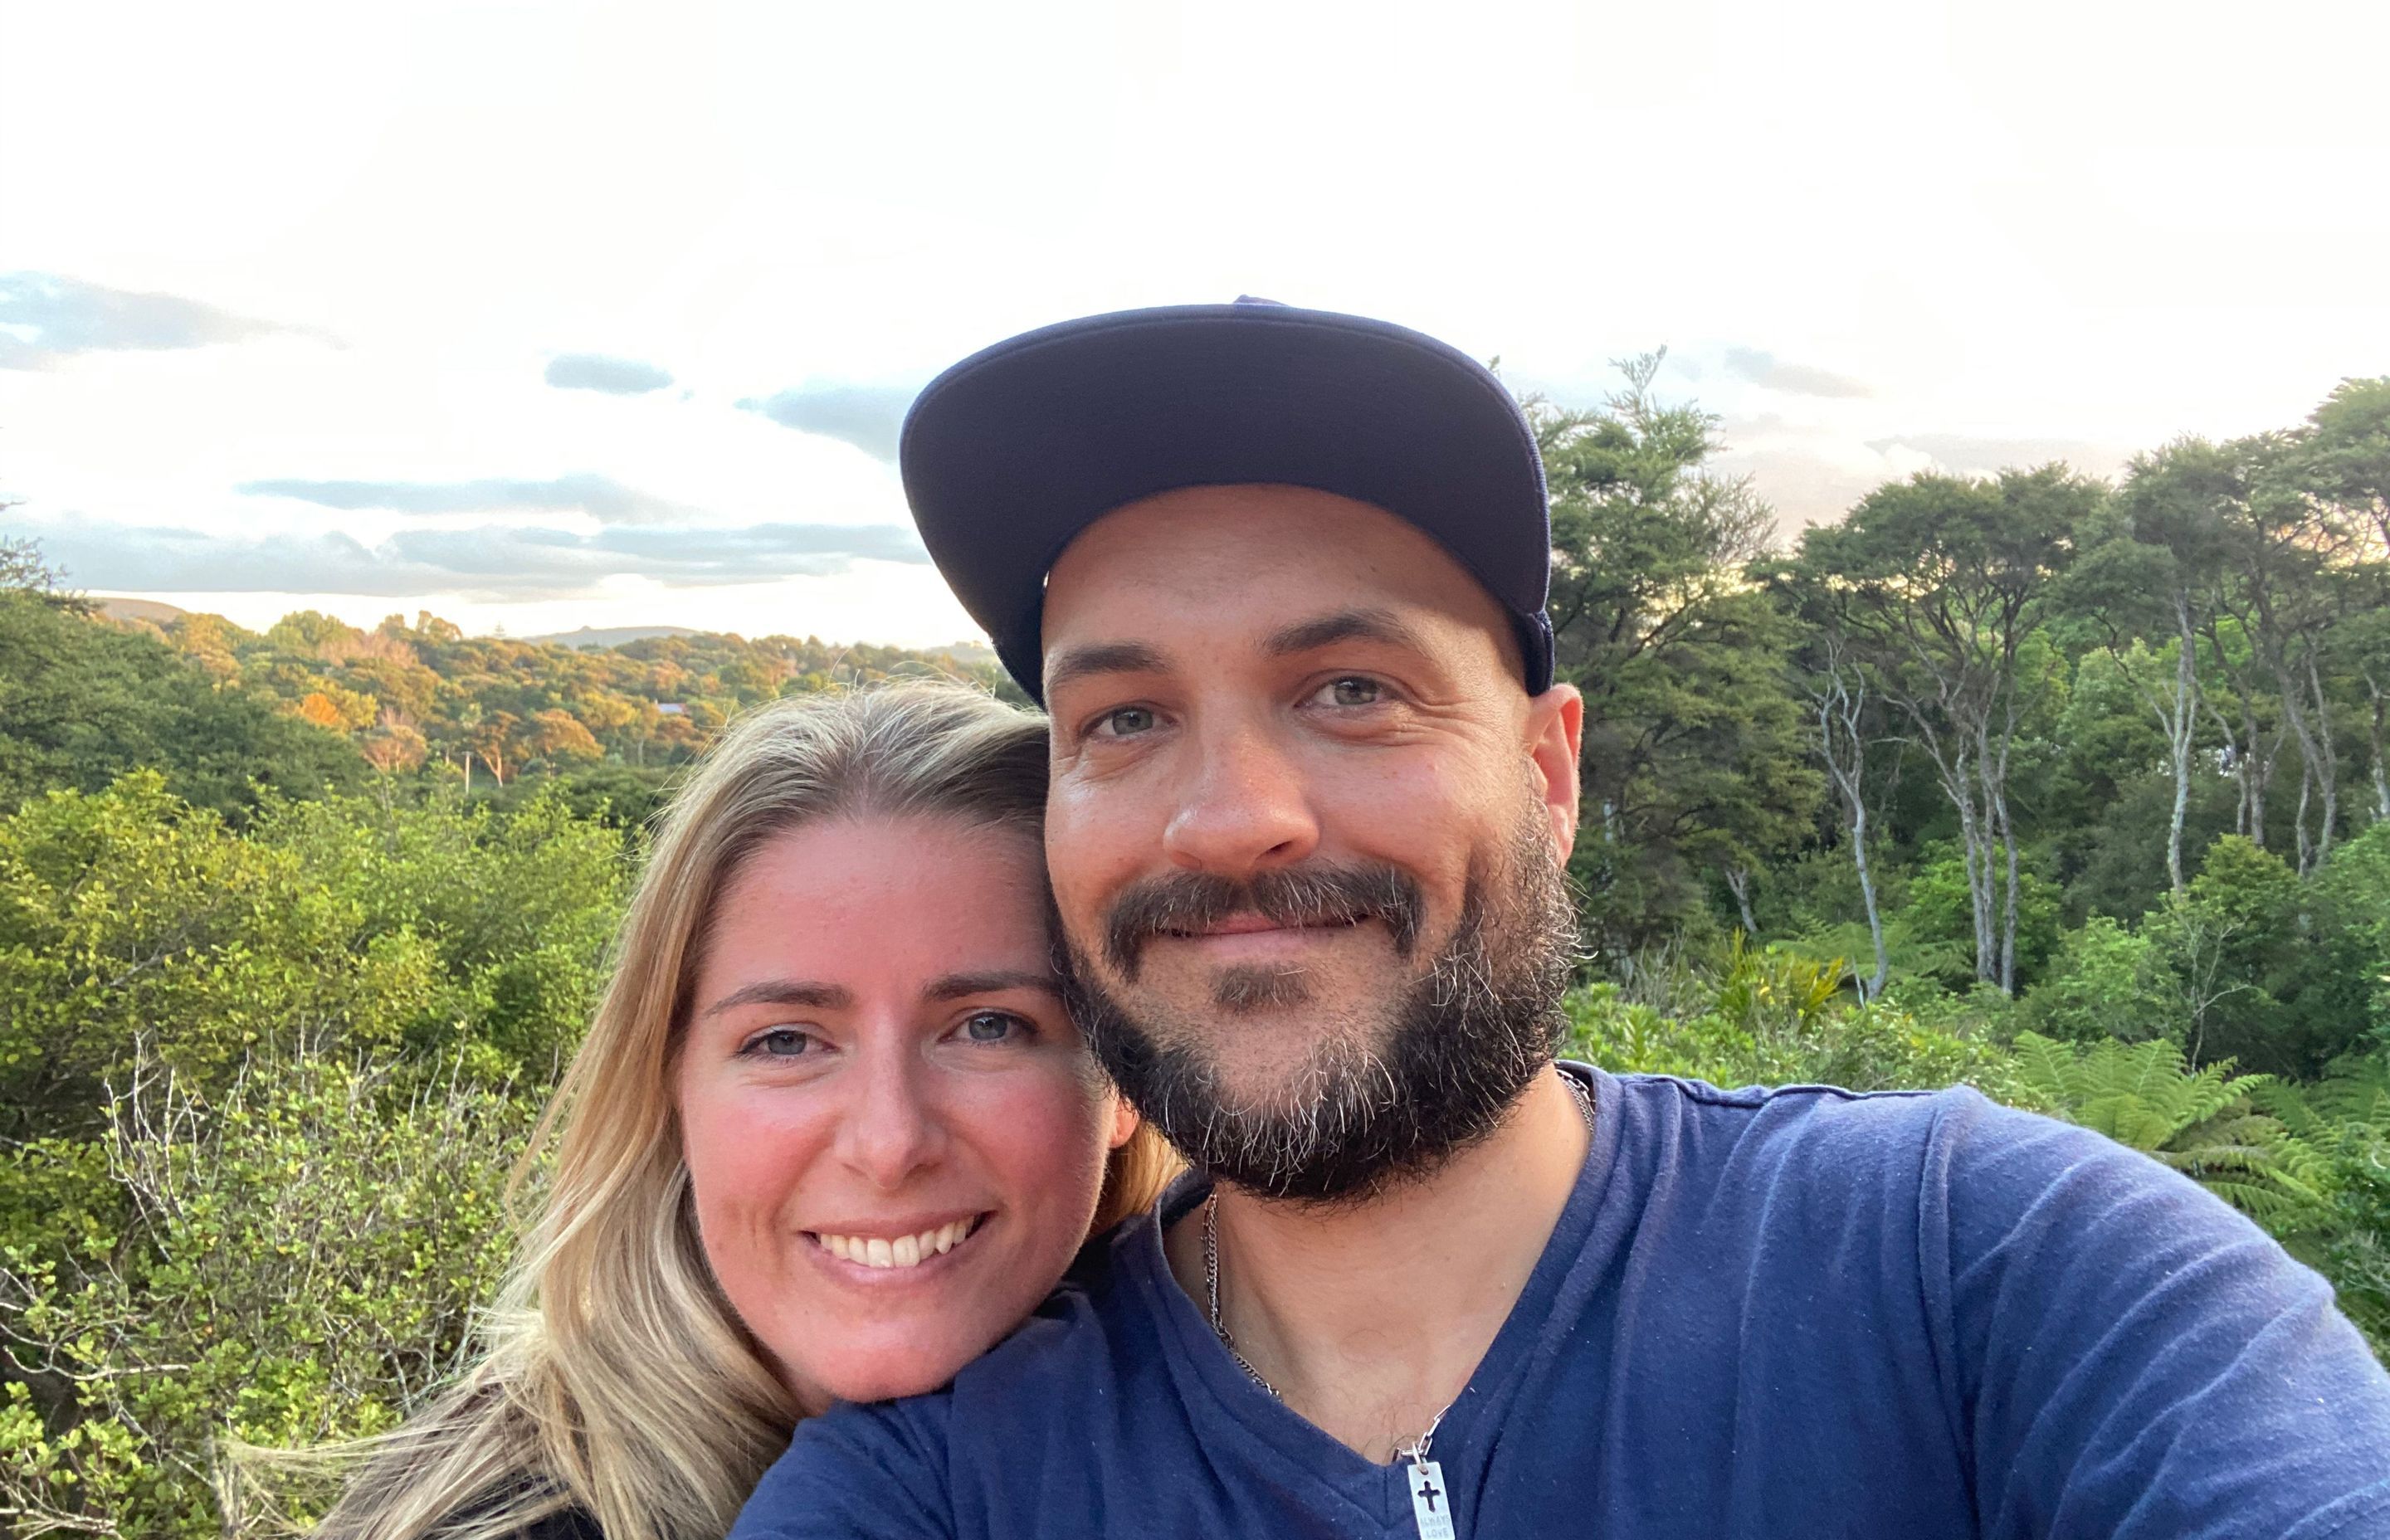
{"points": [[905, 1250]]}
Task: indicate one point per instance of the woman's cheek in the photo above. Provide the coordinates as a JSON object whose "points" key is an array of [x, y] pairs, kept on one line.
{"points": [[1056, 1144], [1077, 1140], [745, 1159]]}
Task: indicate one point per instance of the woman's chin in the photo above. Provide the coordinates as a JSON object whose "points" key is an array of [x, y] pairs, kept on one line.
{"points": [[913, 1369]]}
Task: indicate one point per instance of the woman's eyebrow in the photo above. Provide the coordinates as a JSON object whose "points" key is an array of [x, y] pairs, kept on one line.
{"points": [[994, 980], [783, 992]]}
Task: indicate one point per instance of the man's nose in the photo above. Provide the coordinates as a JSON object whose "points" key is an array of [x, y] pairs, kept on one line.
{"points": [[891, 1129], [1245, 808]]}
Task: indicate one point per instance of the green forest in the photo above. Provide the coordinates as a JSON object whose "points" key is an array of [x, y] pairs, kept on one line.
{"points": [[2073, 789]]}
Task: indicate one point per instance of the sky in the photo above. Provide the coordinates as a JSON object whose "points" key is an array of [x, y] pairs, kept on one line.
{"points": [[542, 316]]}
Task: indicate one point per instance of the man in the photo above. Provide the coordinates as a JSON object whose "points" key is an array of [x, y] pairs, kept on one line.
{"points": [[1278, 577]]}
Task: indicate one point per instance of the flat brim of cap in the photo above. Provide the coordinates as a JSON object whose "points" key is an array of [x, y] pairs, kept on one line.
{"points": [[1012, 452]]}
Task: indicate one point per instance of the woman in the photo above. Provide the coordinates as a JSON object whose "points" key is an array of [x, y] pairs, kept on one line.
{"points": [[830, 1137]]}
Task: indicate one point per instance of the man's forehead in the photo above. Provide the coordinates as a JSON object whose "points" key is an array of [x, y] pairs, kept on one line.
{"points": [[1284, 567]]}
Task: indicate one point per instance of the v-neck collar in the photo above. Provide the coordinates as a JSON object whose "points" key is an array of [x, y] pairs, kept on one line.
{"points": [[1287, 1446]]}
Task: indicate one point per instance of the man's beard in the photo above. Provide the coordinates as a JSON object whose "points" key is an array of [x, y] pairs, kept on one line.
{"points": [[1367, 1110]]}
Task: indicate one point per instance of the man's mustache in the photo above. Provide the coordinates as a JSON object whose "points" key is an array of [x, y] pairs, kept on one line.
{"points": [[1187, 902]]}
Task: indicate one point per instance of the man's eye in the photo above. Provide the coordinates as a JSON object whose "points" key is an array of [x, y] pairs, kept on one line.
{"points": [[1352, 691], [1124, 722], [992, 1026], [781, 1043]]}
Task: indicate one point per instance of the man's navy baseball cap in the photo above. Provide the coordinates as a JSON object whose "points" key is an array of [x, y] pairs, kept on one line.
{"points": [[1012, 452]]}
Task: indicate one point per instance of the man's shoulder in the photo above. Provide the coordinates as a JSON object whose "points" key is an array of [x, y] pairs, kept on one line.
{"points": [[1676, 1107], [1954, 1144], [1836, 1104]]}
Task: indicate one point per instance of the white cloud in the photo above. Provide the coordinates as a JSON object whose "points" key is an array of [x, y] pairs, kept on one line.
{"points": [[45, 318], [867, 416], [597, 371], [488, 562], [2023, 221]]}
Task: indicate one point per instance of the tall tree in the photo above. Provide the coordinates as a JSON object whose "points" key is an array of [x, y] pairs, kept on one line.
{"points": [[1936, 583], [2341, 461], [1692, 754], [2359, 648], [2149, 565], [1840, 700], [2345, 454], [2292, 540]]}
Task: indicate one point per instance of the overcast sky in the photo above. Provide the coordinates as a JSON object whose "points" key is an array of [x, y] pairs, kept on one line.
{"points": [[541, 315]]}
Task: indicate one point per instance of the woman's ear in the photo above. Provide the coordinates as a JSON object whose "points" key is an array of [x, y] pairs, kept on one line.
{"points": [[1125, 1121]]}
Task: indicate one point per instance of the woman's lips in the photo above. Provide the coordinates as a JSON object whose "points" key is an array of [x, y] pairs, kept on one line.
{"points": [[882, 1253]]}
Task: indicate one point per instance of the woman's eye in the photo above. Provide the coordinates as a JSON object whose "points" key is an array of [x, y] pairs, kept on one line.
{"points": [[1352, 691], [992, 1026], [781, 1043], [1124, 722]]}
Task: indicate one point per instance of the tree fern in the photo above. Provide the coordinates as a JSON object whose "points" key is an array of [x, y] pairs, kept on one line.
{"points": [[2208, 1123]]}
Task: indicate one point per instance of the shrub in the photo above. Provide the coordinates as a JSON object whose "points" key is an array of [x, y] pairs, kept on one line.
{"points": [[127, 914], [294, 1260], [1769, 1017], [2107, 982]]}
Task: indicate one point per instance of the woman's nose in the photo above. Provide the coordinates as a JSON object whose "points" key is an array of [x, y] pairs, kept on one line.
{"points": [[891, 1131]]}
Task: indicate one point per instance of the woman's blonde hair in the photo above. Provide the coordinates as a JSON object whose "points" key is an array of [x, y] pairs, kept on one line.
{"points": [[617, 1379]]}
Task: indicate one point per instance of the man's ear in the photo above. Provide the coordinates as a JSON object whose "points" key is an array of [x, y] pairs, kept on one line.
{"points": [[1555, 735]]}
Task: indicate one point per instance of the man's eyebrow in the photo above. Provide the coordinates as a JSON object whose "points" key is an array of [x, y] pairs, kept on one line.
{"points": [[1344, 625], [994, 981], [783, 992], [1078, 663]]}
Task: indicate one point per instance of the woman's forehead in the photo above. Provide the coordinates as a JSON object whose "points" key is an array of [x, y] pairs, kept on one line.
{"points": [[856, 891]]}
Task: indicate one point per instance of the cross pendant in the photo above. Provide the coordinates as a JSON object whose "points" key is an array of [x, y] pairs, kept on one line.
{"points": [[1430, 1504]]}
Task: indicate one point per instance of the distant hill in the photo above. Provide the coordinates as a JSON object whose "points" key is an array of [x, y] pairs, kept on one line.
{"points": [[591, 636], [140, 609], [967, 654]]}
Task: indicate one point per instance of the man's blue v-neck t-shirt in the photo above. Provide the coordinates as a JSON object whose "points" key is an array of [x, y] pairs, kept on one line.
{"points": [[1762, 1313]]}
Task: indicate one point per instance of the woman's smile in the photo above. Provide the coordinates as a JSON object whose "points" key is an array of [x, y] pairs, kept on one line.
{"points": [[908, 1250]]}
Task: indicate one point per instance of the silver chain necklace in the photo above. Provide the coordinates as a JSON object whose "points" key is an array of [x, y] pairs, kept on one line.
{"points": [[1433, 1523]]}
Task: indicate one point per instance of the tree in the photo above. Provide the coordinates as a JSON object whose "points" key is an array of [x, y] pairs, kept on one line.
{"points": [[2345, 454], [2359, 649], [1692, 739], [1936, 584], [554, 736], [2342, 967], [493, 737], [2288, 546], [83, 702], [393, 747], [23, 569], [2148, 569], [2341, 461], [312, 634], [2229, 942], [1838, 696]]}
